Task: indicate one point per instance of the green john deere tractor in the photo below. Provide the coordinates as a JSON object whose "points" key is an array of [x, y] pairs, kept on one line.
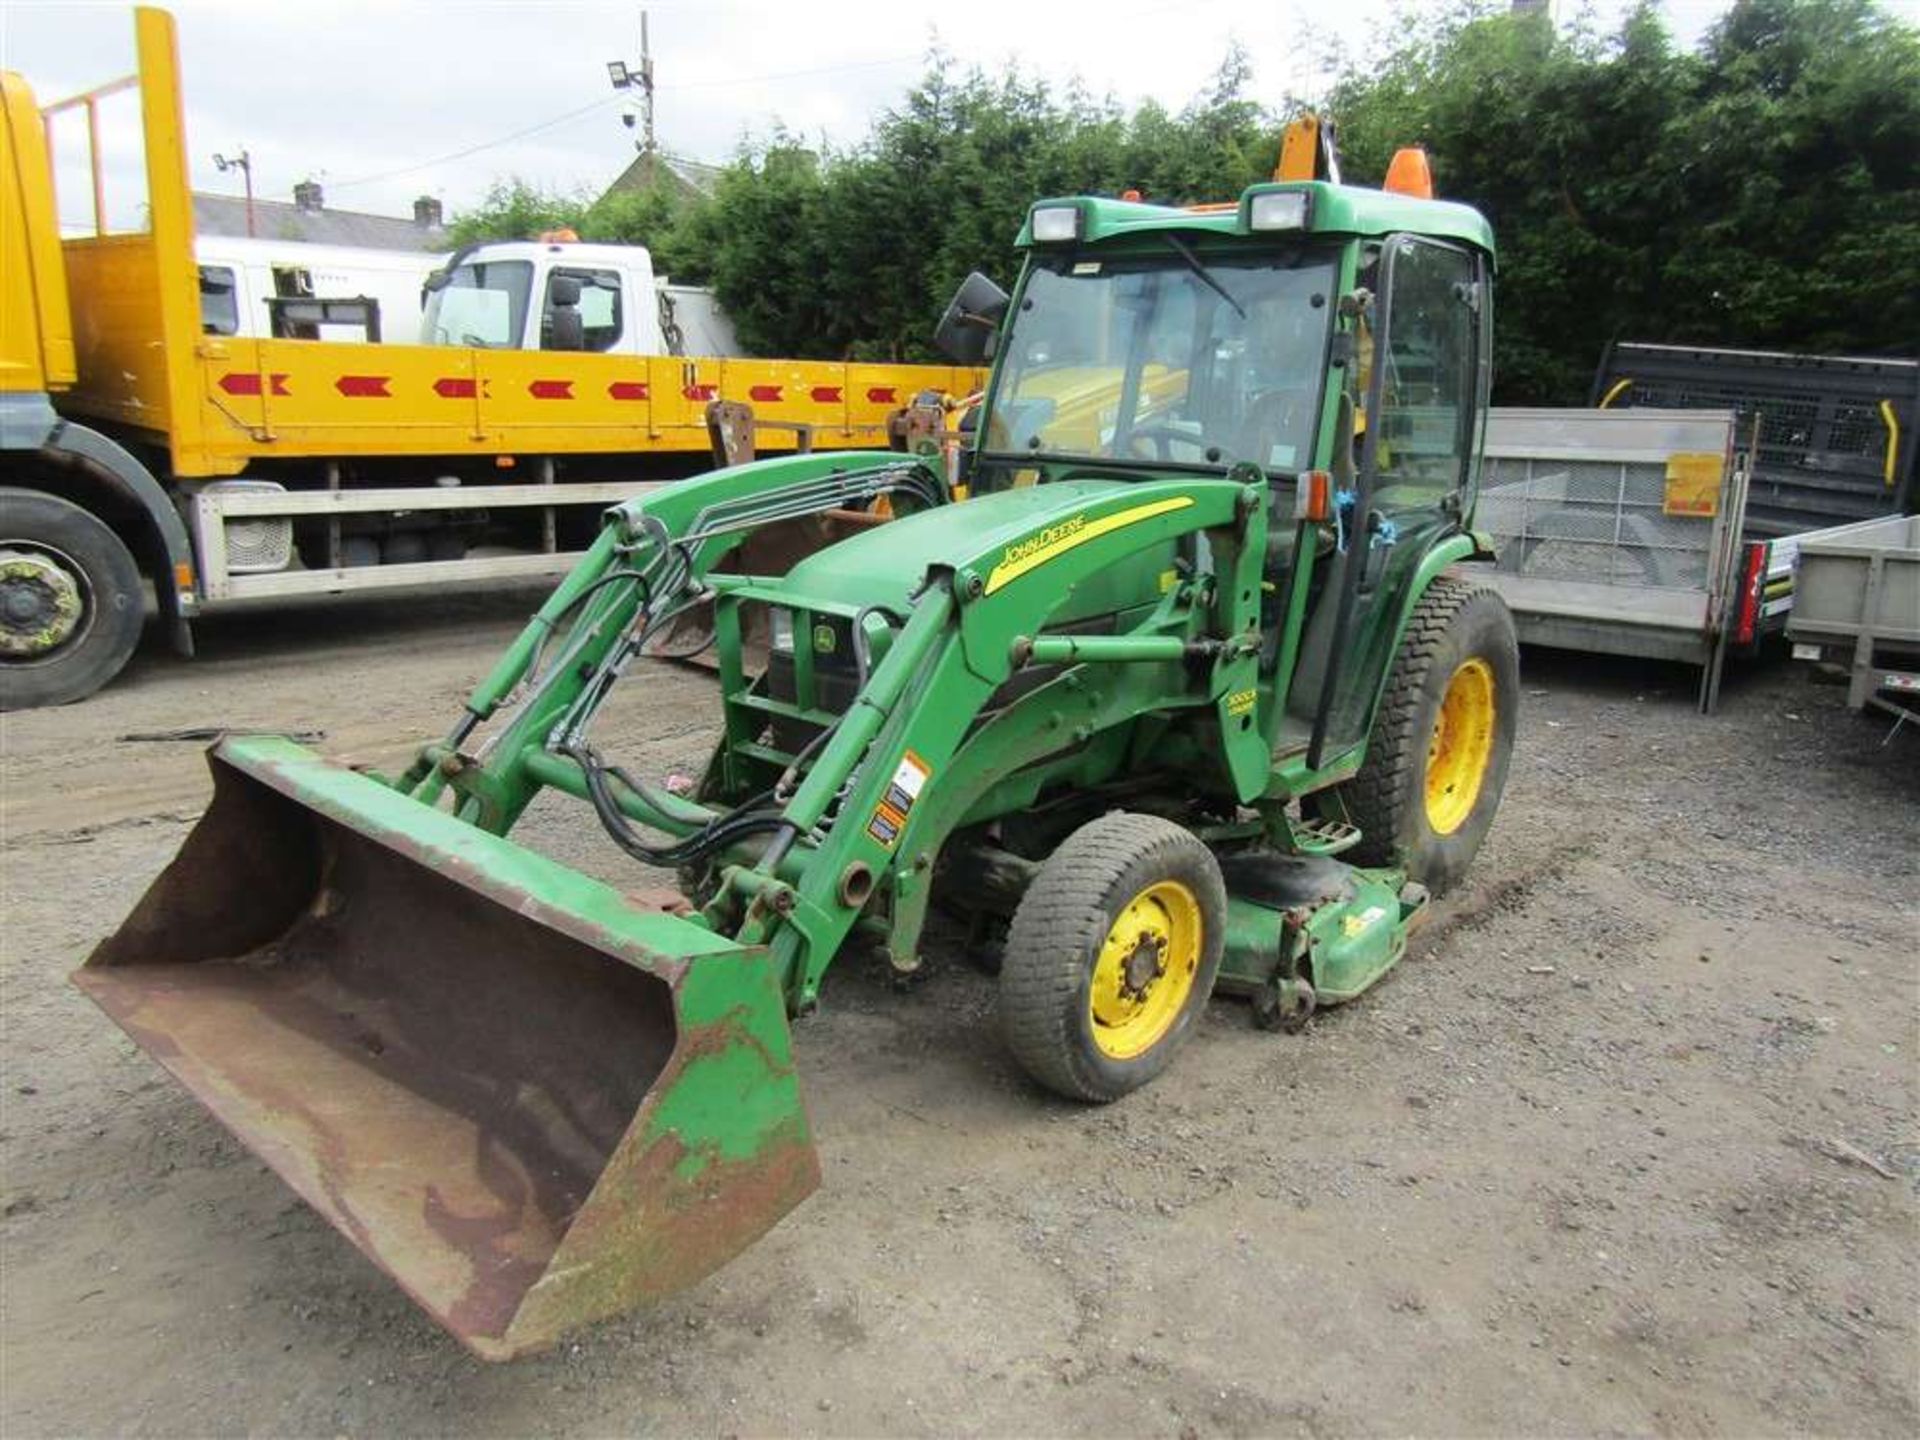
{"points": [[1188, 690]]}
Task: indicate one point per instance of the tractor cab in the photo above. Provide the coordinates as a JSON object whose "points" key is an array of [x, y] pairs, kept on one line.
{"points": [[1328, 340]]}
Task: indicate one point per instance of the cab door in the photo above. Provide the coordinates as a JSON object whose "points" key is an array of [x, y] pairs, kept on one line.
{"points": [[1423, 376]]}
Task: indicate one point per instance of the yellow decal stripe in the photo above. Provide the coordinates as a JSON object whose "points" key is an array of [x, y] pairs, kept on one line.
{"points": [[1010, 570]]}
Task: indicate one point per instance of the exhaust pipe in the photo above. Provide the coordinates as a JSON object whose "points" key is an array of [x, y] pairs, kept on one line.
{"points": [[529, 1103]]}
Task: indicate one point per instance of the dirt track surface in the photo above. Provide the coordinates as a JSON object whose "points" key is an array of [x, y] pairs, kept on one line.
{"points": [[1629, 1144]]}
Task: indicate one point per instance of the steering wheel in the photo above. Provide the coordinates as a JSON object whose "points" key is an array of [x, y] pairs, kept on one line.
{"points": [[1165, 436]]}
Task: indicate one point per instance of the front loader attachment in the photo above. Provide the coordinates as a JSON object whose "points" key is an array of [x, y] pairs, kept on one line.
{"points": [[529, 1102]]}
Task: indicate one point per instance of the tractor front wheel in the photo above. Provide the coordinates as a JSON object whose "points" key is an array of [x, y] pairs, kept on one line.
{"points": [[1437, 759], [1111, 956]]}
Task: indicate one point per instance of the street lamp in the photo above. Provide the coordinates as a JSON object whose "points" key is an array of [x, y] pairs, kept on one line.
{"points": [[243, 162]]}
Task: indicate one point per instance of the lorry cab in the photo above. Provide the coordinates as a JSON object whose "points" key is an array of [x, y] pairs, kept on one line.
{"points": [[546, 295]]}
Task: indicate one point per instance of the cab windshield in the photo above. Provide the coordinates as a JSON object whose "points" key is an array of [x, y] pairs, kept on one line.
{"points": [[482, 304], [1185, 358]]}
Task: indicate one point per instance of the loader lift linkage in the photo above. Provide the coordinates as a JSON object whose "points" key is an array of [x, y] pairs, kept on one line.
{"points": [[1186, 641]]}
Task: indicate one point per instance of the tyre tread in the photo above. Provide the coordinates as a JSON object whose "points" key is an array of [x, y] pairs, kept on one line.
{"points": [[1044, 966], [1377, 794], [114, 577]]}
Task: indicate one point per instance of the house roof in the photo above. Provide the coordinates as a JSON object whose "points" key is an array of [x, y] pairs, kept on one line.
{"points": [[657, 169], [281, 220]]}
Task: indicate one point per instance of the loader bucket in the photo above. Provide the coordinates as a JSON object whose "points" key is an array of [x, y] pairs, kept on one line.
{"points": [[529, 1102]]}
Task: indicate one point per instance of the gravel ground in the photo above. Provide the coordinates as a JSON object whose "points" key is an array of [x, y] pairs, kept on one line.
{"points": [[1629, 1144]]}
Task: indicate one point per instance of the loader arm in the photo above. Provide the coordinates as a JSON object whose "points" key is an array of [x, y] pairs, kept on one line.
{"points": [[650, 563]]}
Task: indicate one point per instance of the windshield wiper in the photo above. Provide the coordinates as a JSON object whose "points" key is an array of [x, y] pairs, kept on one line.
{"points": [[1185, 252]]}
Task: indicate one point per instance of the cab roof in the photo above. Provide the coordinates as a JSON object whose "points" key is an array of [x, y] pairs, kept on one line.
{"points": [[1331, 210], [579, 252]]}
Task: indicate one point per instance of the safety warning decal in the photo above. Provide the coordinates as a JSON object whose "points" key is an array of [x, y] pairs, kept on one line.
{"points": [[890, 815], [1693, 484]]}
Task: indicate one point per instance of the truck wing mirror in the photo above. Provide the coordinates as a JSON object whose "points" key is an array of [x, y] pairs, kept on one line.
{"points": [[969, 327]]}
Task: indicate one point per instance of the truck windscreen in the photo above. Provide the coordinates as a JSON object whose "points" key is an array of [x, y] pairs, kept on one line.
{"points": [[483, 303]]}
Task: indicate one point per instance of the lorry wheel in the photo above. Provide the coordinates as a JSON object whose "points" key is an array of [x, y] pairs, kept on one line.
{"points": [[1437, 759], [71, 602], [1111, 955]]}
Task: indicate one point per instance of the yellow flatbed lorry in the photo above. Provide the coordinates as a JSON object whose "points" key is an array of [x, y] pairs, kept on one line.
{"points": [[141, 444]]}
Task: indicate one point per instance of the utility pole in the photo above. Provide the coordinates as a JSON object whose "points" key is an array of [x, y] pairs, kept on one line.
{"points": [[641, 79], [646, 88], [243, 162]]}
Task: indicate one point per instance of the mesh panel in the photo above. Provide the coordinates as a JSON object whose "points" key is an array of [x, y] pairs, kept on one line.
{"points": [[1820, 455], [1788, 424], [255, 544], [1601, 522], [1856, 430], [1786, 421], [259, 544]]}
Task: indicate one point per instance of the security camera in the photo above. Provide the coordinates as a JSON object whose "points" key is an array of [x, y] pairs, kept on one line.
{"points": [[629, 116]]}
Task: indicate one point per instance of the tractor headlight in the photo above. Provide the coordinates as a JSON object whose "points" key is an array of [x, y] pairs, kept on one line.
{"points": [[1278, 210], [782, 626], [1054, 224]]}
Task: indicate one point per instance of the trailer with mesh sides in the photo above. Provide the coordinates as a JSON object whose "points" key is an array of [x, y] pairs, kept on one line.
{"points": [[1617, 531], [1833, 441]]}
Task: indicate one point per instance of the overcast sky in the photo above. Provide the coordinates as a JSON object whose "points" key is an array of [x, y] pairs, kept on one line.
{"points": [[385, 101]]}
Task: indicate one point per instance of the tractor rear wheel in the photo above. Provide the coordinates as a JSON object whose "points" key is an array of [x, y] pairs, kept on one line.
{"points": [[1437, 759], [1111, 956]]}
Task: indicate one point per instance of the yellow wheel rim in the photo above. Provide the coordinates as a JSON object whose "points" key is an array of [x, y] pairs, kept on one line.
{"points": [[1145, 971], [1461, 746]]}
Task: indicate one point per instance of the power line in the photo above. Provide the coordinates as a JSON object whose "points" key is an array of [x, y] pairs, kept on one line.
{"points": [[476, 149], [535, 129]]}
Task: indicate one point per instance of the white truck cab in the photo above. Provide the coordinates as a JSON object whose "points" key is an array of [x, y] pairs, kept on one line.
{"points": [[546, 295]]}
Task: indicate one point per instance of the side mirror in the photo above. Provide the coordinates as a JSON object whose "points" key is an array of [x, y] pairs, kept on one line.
{"points": [[563, 290], [968, 329]]}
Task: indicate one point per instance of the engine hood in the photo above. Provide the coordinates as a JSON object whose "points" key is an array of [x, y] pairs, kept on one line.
{"points": [[885, 564]]}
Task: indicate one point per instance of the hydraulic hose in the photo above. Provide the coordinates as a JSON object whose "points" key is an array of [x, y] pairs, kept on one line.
{"points": [[727, 830]]}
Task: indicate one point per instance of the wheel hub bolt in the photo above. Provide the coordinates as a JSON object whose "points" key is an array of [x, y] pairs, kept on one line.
{"points": [[1144, 965]]}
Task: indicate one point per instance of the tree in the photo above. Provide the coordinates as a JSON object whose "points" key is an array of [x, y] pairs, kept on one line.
{"points": [[517, 210], [1763, 189]]}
